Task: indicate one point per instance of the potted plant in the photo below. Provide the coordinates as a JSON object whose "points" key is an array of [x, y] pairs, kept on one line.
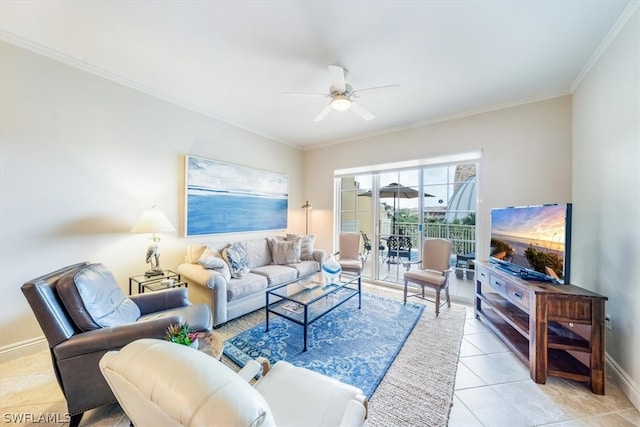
{"points": [[182, 334]]}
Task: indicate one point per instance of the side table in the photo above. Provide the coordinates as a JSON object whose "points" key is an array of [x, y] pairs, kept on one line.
{"points": [[155, 283]]}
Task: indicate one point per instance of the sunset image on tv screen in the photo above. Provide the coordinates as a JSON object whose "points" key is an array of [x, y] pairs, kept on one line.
{"points": [[532, 237]]}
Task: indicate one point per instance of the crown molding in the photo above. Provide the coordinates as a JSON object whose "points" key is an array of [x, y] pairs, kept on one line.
{"points": [[622, 20], [446, 118], [83, 65]]}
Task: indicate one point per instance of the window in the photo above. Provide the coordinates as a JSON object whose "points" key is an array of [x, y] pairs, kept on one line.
{"points": [[397, 206]]}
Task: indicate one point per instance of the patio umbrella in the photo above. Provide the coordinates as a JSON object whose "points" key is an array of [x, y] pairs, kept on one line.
{"points": [[396, 191]]}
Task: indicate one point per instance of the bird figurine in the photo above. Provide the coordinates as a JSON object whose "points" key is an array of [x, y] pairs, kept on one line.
{"points": [[153, 259]]}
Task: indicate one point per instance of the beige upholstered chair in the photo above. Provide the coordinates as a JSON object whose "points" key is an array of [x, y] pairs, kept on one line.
{"points": [[434, 271], [159, 383], [350, 258]]}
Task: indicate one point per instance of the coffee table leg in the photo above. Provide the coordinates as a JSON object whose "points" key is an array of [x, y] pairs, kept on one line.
{"points": [[304, 348], [266, 309]]}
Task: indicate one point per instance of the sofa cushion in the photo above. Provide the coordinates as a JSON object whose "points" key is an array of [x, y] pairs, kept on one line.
{"points": [[307, 241], [247, 285], [276, 274], [237, 259], [94, 300], [212, 260], [285, 251], [258, 252], [304, 268]]}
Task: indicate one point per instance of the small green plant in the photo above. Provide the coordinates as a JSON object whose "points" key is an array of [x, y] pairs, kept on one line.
{"points": [[181, 334]]}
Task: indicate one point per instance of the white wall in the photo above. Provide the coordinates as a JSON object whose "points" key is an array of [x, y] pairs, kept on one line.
{"points": [[606, 194], [82, 157], [526, 159]]}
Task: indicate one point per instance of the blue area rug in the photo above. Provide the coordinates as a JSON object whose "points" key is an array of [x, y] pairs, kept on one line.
{"points": [[351, 345]]}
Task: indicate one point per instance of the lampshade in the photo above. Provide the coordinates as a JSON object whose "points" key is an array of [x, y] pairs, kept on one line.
{"points": [[341, 103], [153, 221]]}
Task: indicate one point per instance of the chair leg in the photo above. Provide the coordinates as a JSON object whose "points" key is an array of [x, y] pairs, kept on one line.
{"points": [[405, 292], [446, 291], [437, 302]]}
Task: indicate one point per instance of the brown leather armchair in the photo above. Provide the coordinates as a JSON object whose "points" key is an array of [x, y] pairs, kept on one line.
{"points": [[64, 304]]}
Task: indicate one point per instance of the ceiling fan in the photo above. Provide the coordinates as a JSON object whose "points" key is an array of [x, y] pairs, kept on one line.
{"points": [[342, 95]]}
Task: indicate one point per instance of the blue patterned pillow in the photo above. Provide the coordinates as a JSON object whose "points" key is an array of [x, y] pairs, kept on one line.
{"points": [[237, 259]]}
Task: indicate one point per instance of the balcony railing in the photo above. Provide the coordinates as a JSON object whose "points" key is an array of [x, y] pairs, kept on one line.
{"points": [[463, 237]]}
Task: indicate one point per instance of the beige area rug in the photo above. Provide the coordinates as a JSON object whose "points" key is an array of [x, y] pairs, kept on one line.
{"points": [[418, 387], [417, 390]]}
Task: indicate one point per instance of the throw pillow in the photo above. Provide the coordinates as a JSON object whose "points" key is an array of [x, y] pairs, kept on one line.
{"points": [[94, 300], [306, 245], [194, 252], [211, 259], [285, 251], [237, 260]]}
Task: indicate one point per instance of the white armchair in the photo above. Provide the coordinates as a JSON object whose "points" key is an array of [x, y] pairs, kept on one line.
{"points": [[161, 383]]}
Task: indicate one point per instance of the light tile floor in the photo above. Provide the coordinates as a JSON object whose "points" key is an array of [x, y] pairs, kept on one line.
{"points": [[492, 388]]}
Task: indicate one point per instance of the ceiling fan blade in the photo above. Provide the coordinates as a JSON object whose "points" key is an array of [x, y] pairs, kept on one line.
{"points": [[378, 90], [315, 94], [320, 117], [338, 77], [361, 111]]}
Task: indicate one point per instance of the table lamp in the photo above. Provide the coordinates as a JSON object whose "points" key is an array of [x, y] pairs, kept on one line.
{"points": [[153, 221]]}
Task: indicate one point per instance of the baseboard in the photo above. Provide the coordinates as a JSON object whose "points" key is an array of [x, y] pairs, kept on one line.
{"points": [[626, 383], [23, 348]]}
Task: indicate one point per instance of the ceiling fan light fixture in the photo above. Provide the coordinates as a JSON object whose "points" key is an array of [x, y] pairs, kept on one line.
{"points": [[341, 103]]}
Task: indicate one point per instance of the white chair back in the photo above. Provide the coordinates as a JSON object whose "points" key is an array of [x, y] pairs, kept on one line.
{"points": [[350, 245], [436, 254]]}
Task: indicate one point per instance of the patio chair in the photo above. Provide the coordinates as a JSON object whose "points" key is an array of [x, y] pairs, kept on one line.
{"points": [[367, 246], [434, 271], [398, 247]]}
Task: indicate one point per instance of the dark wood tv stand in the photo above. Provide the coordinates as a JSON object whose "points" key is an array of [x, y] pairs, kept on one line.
{"points": [[558, 330]]}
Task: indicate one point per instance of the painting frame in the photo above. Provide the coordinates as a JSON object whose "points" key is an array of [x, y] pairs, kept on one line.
{"points": [[225, 198]]}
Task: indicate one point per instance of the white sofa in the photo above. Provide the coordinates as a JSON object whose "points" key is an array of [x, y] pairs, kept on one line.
{"points": [[159, 383], [232, 297]]}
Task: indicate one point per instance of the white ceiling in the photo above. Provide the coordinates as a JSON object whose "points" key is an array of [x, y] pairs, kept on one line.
{"points": [[233, 60]]}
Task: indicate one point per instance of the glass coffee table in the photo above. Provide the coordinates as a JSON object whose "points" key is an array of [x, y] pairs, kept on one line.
{"points": [[308, 299]]}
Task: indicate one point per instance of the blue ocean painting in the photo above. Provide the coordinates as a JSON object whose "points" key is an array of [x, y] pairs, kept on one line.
{"points": [[226, 198]]}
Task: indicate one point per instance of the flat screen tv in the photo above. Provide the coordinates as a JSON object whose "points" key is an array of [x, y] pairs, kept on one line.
{"points": [[533, 242]]}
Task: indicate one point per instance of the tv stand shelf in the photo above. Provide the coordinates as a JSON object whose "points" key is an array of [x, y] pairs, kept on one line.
{"points": [[558, 330]]}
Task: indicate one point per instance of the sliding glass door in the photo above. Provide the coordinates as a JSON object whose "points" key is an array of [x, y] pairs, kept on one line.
{"points": [[395, 210]]}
